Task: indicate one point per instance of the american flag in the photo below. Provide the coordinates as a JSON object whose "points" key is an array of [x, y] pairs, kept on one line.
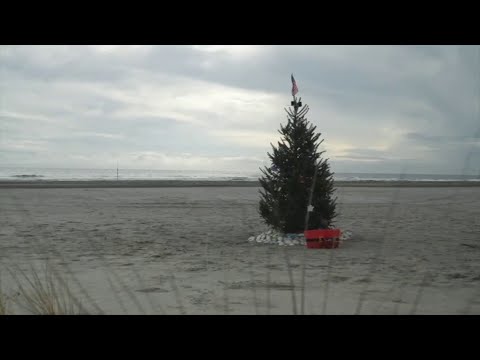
{"points": [[294, 87]]}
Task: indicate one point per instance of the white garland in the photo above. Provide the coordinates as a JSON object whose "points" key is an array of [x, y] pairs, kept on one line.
{"points": [[277, 238]]}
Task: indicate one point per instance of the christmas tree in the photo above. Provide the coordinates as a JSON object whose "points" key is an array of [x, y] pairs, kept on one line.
{"points": [[297, 189]]}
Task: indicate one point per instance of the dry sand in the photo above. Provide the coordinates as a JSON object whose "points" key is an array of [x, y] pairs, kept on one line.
{"points": [[178, 250]]}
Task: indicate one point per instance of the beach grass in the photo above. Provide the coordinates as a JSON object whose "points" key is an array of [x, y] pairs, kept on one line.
{"points": [[3, 302], [45, 294]]}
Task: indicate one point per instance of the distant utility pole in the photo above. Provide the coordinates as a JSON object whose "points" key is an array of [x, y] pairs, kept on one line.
{"points": [[117, 171]]}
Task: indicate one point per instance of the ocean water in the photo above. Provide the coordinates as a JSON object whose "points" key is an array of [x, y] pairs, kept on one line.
{"points": [[40, 174]]}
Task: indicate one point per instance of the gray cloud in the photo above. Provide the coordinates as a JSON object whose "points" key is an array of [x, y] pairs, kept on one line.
{"points": [[380, 108]]}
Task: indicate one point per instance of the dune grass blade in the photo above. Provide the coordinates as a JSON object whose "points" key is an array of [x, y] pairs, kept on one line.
{"points": [[46, 295]]}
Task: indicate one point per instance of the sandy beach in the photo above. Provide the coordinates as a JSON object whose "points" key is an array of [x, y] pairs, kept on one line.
{"points": [[181, 248]]}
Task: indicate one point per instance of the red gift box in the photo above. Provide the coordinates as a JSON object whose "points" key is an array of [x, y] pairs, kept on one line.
{"points": [[322, 238]]}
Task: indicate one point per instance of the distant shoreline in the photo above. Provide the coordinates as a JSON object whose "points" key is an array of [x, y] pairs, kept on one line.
{"points": [[90, 184]]}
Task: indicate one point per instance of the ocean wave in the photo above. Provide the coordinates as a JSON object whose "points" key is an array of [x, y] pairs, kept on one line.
{"points": [[382, 179], [37, 174], [27, 176]]}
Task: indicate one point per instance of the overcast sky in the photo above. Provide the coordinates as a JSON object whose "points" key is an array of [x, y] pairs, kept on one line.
{"points": [[379, 108]]}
